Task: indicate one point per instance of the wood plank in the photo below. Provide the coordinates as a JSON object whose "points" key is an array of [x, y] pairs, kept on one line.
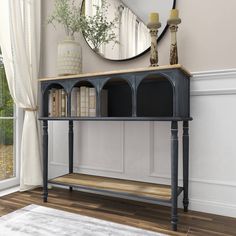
{"points": [[142, 215], [159, 68], [156, 191], [201, 232]]}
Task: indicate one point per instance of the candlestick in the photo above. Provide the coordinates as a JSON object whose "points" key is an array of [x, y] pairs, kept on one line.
{"points": [[154, 25], [173, 22]]}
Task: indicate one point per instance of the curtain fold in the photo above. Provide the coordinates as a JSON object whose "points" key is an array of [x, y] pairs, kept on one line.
{"points": [[144, 39], [20, 43], [128, 34]]}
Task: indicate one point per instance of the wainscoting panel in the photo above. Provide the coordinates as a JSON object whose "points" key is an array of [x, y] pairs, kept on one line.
{"points": [[103, 150], [140, 150], [160, 150], [102, 146]]}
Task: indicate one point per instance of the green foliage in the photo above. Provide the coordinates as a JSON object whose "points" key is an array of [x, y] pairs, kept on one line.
{"points": [[66, 13], [97, 29], [6, 102], [6, 110], [1, 59], [6, 132]]}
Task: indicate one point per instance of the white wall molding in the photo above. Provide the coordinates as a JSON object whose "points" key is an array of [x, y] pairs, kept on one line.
{"points": [[81, 167], [210, 92], [214, 74], [196, 180], [208, 83], [151, 152], [51, 147], [215, 207], [84, 168]]}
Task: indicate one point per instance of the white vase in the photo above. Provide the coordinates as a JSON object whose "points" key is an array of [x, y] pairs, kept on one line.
{"points": [[69, 57]]}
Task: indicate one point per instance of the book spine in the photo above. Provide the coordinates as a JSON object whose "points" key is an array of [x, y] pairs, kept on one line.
{"points": [[78, 102], [74, 101], [50, 103], [53, 102], [60, 102], [57, 103], [87, 101], [82, 101], [92, 102], [63, 103]]}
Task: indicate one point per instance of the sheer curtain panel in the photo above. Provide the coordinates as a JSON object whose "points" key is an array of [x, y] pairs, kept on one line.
{"points": [[144, 39], [20, 43], [128, 34]]}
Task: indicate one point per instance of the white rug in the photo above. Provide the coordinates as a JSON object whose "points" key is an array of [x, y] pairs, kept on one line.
{"points": [[35, 220]]}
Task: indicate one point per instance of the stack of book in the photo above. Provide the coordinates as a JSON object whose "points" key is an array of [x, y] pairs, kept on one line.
{"points": [[57, 104], [83, 101]]}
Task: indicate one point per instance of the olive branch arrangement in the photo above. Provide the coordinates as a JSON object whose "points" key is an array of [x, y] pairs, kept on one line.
{"points": [[97, 29], [66, 13]]}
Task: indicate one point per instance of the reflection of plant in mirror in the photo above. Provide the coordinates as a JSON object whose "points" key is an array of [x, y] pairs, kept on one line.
{"points": [[68, 14], [97, 29]]}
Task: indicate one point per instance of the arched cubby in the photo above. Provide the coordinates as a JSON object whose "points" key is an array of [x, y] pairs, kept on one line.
{"points": [[83, 96], [55, 93], [155, 97], [116, 98]]}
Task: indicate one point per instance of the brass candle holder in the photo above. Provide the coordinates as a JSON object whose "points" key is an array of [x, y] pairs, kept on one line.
{"points": [[173, 23], [154, 26]]}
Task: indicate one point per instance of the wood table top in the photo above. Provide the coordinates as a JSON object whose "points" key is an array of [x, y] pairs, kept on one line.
{"points": [[159, 68]]}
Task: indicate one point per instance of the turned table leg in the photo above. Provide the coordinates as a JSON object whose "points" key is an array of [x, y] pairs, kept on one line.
{"points": [[174, 174], [45, 160], [185, 164], [71, 147]]}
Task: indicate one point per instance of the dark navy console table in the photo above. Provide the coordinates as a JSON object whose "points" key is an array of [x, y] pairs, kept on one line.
{"points": [[147, 94]]}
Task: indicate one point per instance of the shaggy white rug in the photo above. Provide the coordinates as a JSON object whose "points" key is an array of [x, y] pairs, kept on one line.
{"points": [[35, 220]]}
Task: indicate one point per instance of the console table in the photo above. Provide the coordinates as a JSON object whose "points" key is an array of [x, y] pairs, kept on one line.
{"points": [[146, 94]]}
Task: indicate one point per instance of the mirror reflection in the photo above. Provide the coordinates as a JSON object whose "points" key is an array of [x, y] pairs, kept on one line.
{"points": [[117, 29]]}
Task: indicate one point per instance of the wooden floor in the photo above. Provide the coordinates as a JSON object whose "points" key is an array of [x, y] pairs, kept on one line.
{"points": [[142, 215]]}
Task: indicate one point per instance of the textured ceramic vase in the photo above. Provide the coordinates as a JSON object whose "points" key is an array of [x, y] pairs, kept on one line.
{"points": [[69, 57]]}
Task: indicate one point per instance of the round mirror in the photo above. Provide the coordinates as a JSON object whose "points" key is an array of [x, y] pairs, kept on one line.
{"points": [[117, 29]]}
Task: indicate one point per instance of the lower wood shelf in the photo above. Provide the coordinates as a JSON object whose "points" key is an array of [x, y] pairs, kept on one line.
{"points": [[128, 189]]}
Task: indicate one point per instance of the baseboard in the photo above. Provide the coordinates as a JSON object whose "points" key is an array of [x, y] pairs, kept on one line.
{"points": [[218, 208]]}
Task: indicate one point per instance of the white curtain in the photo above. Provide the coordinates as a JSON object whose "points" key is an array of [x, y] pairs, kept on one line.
{"points": [[144, 39], [128, 34], [20, 43]]}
